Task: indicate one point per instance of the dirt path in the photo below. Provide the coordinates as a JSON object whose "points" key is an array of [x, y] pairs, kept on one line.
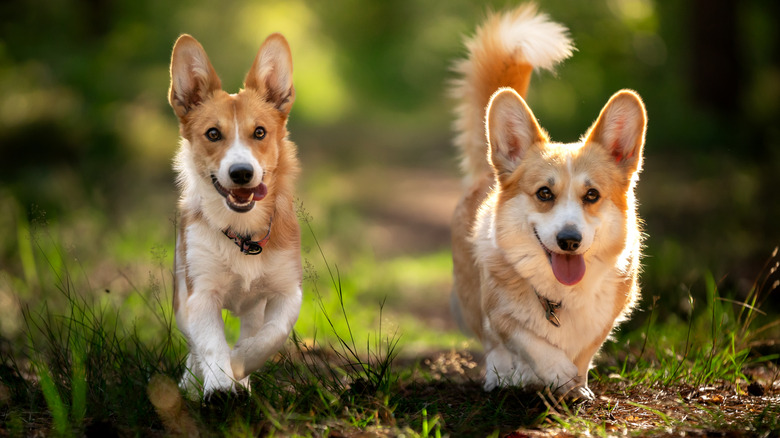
{"points": [[452, 379]]}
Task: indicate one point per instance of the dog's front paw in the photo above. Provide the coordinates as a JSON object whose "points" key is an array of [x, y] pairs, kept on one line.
{"points": [[499, 369], [243, 384], [560, 374], [582, 393], [190, 385], [575, 389], [218, 381]]}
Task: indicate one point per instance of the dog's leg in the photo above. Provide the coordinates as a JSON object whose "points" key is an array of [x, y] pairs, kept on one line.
{"points": [[547, 364], [253, 349], [210, 352], [499, 369], [251, 323], [584, 357], [192, 378]]}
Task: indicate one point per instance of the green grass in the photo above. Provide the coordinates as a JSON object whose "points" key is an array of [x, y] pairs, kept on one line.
{"points": [[716, 345], [106, 362]]}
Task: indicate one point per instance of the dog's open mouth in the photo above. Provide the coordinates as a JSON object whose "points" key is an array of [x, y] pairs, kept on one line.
{"points": [[567, 268], [241, 199]]}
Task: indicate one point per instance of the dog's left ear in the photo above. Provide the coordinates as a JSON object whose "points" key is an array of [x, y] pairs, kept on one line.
{"points": [[621, 128], [271, 73]]}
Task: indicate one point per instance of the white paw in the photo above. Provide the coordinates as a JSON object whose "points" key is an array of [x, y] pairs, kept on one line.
{"points": [[244, 383], [558, 374], [582, 393], [492, 380], [575, 389], [190, 385], [499, 369], [217, 380]]}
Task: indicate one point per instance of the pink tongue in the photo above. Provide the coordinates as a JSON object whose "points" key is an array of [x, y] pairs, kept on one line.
{"points": [[568, 268], [256, 193], [260, 192]]}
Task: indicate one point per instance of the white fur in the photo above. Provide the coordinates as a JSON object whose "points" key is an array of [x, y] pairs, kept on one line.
{"points": [[510, 241], [198, 194], [239, 152], [264, 293], [527, 36], [211, 271], [532, 36], [541, 354], [262, 290]]}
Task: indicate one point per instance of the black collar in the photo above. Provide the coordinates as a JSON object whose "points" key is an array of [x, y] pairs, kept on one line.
{"points": [[245, 242]]}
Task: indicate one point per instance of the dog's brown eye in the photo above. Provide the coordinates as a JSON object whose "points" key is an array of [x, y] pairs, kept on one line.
{"points": [[259, 133], [591, 196], [545, 194], [213, 134]]}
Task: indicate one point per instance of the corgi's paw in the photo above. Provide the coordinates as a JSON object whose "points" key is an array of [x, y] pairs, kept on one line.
{"points": [[190, 385], [560, 373], [492, 380], [499, 369], [575, 389], [243, 384], [213, 382], [582, 393]]}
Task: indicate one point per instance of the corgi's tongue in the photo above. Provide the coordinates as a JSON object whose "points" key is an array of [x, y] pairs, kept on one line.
{"points": [[568, 268], [250, 194]]}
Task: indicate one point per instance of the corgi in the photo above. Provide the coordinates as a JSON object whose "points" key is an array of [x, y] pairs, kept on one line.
{"points": [[545, 238], [238, 240]]}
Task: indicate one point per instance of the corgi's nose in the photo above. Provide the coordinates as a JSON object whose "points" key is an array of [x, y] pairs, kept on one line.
{"points": [[241, 173], [569, 239]]}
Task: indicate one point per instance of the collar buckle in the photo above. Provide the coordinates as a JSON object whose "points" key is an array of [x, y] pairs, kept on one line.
{"points": [[549, 308], [251, 247], [246, 244]]}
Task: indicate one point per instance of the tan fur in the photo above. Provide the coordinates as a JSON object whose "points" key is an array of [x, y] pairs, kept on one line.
{"points": [[263, 290], [490, 65], [462, 253], [503, 268]]}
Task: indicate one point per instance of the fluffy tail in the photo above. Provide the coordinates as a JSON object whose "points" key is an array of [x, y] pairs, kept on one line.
{"points": [[503, 53]]}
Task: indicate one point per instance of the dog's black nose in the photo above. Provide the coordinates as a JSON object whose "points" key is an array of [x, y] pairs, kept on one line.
{"points": [[241, 173], [569, 239]]}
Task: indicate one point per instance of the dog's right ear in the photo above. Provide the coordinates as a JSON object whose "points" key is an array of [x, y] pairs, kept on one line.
{"points": [[511, 130], [193, 79]]}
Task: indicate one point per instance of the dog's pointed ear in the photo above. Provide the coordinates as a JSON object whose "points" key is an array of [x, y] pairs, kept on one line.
{"points": [[511, 130], [271, 73], [193, 79], [621, 128]]}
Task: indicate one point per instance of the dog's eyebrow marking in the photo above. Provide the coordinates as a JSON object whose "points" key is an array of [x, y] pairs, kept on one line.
{"points": [[551, 181]]}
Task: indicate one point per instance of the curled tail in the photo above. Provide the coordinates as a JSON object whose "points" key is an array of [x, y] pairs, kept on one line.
{"points": [[503, 53]]}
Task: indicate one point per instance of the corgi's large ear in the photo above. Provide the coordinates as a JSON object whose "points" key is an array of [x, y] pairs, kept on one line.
{"points": [[193, 79], [511, 130], [271, 73], [621, 128]]}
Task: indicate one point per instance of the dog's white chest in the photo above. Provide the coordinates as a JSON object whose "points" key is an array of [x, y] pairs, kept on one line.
{"points": [[584, 315], [237, 280]]}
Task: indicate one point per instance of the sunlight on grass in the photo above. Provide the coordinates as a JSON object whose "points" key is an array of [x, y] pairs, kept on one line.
{"points": [[712, 344], [405, 288]]}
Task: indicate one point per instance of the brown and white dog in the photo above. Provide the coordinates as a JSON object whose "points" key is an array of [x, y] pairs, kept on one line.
{"points": [[546, 240], [238, 243]]}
